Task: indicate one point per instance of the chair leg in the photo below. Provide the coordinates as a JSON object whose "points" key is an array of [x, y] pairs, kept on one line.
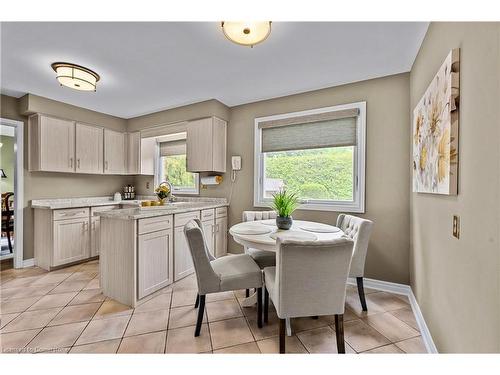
{"points": [[361, 292], [201, 311], [197, 302], [9, 240], [247, 293], [282, 335], [339, 332], [266, 305], [315, 317], [259, 307]]}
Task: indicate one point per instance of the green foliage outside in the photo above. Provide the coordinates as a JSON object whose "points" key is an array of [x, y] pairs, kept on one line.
{"points": [[314, 174], [174, 168]]}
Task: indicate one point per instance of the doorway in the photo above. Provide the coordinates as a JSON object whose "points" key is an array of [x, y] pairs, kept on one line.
{"points": [[12, 168]]}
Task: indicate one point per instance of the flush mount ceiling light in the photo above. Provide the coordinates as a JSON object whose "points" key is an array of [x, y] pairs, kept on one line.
{"points": [[246, 33], [75, 76]]}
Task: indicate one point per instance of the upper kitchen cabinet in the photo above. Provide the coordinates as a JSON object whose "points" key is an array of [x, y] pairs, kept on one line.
{"points": [[141, 154], [51, 144], [89, 149], [206, 145], [114, 152]]}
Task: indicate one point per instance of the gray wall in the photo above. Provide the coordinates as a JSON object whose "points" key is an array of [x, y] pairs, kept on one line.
{"points": [[456, 282]]}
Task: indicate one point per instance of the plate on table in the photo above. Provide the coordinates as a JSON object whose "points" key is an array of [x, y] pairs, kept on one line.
{"points": [[296, 235], [317, 227], [251, 229], [271, 222]]}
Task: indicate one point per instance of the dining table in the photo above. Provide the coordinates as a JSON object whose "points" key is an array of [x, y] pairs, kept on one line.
{"points": [[263, 235]]}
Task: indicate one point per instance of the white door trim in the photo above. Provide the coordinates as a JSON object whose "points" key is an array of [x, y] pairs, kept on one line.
{"points": [[404, 290], [18, 189]]}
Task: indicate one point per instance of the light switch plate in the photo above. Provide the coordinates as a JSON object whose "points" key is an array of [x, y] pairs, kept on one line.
{"points": [[456, 226]]}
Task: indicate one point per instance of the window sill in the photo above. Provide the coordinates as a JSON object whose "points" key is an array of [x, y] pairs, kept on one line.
{"points": [[349, 207]]}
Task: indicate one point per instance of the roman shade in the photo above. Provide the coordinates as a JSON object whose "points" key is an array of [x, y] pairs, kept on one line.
{"points": [[329, 129], [173, 148], [158, 131]]}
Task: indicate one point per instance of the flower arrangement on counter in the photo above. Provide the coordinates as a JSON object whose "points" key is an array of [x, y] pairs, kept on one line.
{"points": [[162, 192]]}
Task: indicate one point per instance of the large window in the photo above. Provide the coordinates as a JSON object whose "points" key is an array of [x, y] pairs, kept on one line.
{"points": [[317, 154], [172, 166]]}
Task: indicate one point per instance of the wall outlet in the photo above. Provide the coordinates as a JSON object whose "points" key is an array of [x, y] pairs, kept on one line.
{"points": [[456, 226], [147, 185]]}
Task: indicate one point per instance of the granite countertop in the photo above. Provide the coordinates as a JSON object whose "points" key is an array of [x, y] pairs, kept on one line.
{"points": [[182, 204], [168, 209], [54, 204]]}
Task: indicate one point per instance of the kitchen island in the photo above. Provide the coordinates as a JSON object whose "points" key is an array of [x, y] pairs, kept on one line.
{"points": [[144, 249]]}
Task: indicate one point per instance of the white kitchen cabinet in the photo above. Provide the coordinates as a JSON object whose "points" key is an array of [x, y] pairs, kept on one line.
{"points": [[141, 154], [154, 261], [209, 231], [220, 236], [183, 262], [206, 145], [114, 152], [51, 144], [71, 240], [89, 149], [95, 228]]}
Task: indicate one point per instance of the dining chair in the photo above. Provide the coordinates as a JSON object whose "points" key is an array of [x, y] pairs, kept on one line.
{"points": [[8, 217], [359, 230], [229, 273], [262, 257], [309, 279]]}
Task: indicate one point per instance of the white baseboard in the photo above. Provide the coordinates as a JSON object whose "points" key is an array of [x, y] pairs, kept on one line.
{"points": [[405, 290], [29, 262]]}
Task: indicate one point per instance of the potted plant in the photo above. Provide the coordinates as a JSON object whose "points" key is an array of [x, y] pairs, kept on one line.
{"points": [[162, 192], [284, 203]]}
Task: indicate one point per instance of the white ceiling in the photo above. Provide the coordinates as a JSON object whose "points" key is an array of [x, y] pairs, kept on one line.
{"points": [[146, 67]]}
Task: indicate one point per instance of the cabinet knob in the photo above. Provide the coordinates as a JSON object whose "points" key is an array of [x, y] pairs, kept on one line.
{"points": [[78, 163], [71, 162]]}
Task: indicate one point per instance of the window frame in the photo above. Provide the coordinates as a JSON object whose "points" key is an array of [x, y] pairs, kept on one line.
{"points": [[158, 165], [359, 169]]}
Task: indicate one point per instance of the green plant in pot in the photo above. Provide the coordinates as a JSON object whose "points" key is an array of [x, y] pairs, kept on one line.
{"points": [[284, 203]]}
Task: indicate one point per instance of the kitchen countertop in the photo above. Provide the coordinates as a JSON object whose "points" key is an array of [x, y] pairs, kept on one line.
{"points": [[168, 209], [182, 204]]}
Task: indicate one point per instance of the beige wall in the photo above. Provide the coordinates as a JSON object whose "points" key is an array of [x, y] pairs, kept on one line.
{"points": [[456, 282], [38, 185]]}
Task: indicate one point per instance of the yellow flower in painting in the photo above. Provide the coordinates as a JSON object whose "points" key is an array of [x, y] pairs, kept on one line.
{"points": [[423, 158], [435, 115], [444, 155], [418, 125]]}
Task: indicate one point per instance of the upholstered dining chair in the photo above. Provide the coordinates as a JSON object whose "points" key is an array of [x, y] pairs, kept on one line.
{"points": [[359, 230], [309, 279], [262, 257], [234, 272]]}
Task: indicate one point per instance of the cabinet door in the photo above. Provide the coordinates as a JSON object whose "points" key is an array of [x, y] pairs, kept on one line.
{"points": [[209, 231], [219, 145], [199, 145], [149, 154], [133, 153], [220, 236], [89, 148], [183, 263], [154, 262], [57, 145], [71, 240], [95, 231], [114, 152]]}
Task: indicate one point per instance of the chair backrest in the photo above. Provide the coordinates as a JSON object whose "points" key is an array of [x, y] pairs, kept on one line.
{"points": [[311, 277], [359, 230], [258, 215], [208, 280]]}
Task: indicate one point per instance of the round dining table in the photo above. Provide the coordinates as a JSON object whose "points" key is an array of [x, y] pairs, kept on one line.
{"points": [[263, 235]]}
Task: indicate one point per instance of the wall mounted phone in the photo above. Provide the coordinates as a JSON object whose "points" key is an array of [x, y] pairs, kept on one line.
{"points": [[236, 163]]}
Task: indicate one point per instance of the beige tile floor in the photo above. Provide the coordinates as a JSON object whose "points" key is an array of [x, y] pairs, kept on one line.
{"points": [[64, 311]]}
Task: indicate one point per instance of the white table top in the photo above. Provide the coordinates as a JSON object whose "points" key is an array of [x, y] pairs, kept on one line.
{"points": [[243, 233]]}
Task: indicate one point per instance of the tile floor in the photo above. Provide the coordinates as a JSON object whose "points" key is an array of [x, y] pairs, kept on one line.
{"points": [[64, 312]]}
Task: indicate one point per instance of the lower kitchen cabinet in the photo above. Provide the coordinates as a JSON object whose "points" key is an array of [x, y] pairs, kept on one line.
{"points": [[71, 240], [95, 225], [209, 231], [154, 262], [183, 262], [220, 236]]}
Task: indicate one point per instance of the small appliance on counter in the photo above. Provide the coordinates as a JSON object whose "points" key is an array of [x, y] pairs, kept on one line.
{"points": [[117, 197], [128, 192]]}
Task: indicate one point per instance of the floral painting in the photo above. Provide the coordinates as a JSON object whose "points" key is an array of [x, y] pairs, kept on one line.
{"points": [[435, 132]]}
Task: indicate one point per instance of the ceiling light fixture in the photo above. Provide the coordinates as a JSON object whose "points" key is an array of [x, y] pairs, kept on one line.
{"points": [[246, 33], [75, 76]]}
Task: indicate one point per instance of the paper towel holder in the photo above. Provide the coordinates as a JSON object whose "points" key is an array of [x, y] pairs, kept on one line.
{"points": [[211, 180]]}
